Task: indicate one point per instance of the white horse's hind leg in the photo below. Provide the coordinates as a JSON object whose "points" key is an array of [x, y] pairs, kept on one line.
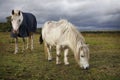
{"points": [[48, 51], [66, 57], [58, 50], [16, 45]]}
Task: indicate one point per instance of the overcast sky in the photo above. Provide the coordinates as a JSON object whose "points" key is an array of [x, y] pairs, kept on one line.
{"points": [[85, 14]]}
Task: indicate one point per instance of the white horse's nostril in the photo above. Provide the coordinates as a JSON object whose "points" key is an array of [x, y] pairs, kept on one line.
{"points": [[86, 66]]}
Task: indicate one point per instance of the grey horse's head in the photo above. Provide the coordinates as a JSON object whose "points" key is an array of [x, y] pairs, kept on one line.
{"points": [[16, 20]]}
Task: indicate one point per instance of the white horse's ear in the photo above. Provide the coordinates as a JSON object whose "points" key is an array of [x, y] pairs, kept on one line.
{"points": [[19, 13], [12, 12]]}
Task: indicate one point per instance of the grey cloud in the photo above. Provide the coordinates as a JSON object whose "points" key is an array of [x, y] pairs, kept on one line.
{"points": [[87, 14]]}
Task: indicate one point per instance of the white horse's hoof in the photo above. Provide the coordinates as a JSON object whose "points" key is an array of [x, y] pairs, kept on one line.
{"points": [[67, 63], [58, 63], [49, 59]]}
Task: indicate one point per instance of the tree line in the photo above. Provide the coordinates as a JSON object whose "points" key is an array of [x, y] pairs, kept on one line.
{"points": [[6, 26]]}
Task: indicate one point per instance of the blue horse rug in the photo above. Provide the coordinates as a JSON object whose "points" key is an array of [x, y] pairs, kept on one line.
{"points": [[29, 24]]}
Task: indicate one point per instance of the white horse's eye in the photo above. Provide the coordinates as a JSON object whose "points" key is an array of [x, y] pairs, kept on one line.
{"points": [[19, 20], [82, 55]]}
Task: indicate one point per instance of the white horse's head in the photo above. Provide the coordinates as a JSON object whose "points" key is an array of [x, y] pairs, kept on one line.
{"points": [[16, 20], [84, 56]]}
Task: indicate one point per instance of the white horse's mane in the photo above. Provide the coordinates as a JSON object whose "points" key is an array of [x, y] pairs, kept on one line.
{"points": [[74, 36]]}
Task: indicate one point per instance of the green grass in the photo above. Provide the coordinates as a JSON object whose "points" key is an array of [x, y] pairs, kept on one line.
{"points": [[32, 65]]}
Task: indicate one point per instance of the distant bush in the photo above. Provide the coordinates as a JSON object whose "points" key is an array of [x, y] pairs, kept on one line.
{"points": [[5, 26], [39, 30]]}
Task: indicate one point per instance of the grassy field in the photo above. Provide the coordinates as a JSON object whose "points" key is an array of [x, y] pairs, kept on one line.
{"points": [[32, 65]]}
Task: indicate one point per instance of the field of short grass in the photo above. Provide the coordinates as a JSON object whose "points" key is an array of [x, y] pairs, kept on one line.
{"points": [[32, 65]]}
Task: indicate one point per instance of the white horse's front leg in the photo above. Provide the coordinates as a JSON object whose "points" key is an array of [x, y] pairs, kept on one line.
{"points": [[58, 50], [49, 54], [66, 57], [16, 45]]}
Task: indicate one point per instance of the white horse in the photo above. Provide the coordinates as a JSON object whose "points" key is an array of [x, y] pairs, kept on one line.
{"points": [[24, 25], [65, 36]]}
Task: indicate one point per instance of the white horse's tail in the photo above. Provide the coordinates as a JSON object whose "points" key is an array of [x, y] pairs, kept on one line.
{"points": [[41, 39]]}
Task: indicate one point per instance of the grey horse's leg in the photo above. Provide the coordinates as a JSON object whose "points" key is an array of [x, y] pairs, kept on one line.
{"points": [[16, 45], [23, 44]]}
